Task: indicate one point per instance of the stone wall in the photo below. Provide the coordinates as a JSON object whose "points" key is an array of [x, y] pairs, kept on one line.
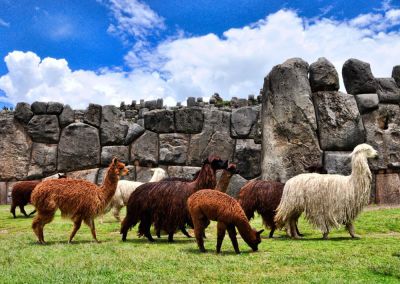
{"points": [[308, 123]]}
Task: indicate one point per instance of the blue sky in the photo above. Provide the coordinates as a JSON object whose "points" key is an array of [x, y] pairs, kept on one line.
{"points": [[105, 51]]}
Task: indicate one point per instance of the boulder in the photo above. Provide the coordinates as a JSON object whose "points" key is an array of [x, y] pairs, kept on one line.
{"points": [[159, 121], [367, 102], [243, 120], [89, 175], [396, 74], [388, 92], [382, 127], [113, 129], [15, 148], [130, 176], [23, 112], [323, 76], [290, 142], [39, 107], [44, 128], [109, 152], [134, 131], [3, 193], [92, 115], [183, 172], [235, 184], [191, 102], [357, 77], [189, 120], [43, 160], [387, 189], [144, 150], [79, 147], [248, 158], [151, 105], [67, 116], [215, 138], [54, 108], [340, 125], [337, 162], [143, 174], [173, 148]]}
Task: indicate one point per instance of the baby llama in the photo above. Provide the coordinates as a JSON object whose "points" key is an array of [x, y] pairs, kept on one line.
{"points": [[329, 200]]}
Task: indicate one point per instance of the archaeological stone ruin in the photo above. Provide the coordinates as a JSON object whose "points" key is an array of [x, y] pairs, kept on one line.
{"points": [[298, 123]]}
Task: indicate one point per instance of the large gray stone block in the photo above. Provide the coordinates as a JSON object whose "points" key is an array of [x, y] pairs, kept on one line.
{"points": [[109, 152], [89, 175], [183, 172], [43, 160], [54, 108], [358, 78], [367, 102], [23, 112], [67, 116], [323, 76], [173, 148], [92, 115], [113, 129], [388, 92], [44, 128], [337, 162], [144, 150], [159, 121], [235, 184], [189, 120], [243, 120], [134, 131], [39, 107], [248, 158], [396, 74]]}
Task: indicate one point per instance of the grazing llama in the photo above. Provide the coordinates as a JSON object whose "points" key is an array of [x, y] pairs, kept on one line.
{"points": [[125, 189], [164, 203], [207, 204], [79, 200], [328, 200]]}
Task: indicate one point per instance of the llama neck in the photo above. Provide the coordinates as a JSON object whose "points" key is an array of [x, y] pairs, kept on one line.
{"points": [[155, 177], [223, 182], [361, 178], [205, 179], [245, 231], [109, 185]]}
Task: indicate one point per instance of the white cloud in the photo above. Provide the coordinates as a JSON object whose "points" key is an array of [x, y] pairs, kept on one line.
{"points": [[4, 23], [233, 65]]}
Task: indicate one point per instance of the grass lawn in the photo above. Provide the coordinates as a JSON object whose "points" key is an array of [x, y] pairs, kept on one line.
{"points": [[375, 257]]}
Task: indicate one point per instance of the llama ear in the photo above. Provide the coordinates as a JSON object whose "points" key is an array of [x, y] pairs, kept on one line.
{"points": [[206, 161], [114, 161], [260, 232]]}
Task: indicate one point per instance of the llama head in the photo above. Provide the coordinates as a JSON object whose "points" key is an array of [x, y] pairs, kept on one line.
{"points": [[216, 162], [231, 168], [118, 168], [257, 239], [366, 150]]}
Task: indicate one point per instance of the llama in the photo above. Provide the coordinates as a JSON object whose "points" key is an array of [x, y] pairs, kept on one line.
{"points": [[21, 195], [328, 200], [165, 203], [80, 200], [125, 189], [205, 205]]}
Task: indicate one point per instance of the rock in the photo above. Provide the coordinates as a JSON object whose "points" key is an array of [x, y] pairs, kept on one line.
{"points": [[54, 108], [23, 112], [340, 125], [109, 152], [67, 116], [134, 131], [214, 139], [130, 176], [143, 174], [39, 107], [3, 193], [367, 102], [15, 148], [242, 121], [235, 184], [43, 160], [151, 105], [142, 111], [144, 150], [92, 115], [159, 121], [173, 148], [357, 77], [387, 189], [388, 92], [191, 101], [382, 128], [79, 115], [44, 128], [89, 175], [337, 162], [323, 76], [130, 114], [396, 74], [189, 120], [112, 129], [248, 158], [79, 147], [183, 172], [256, 131], [10, 186], [160, 103], [290, 142]]}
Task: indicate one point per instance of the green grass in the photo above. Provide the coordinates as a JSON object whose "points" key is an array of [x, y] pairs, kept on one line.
{"points": [[375, 257]]}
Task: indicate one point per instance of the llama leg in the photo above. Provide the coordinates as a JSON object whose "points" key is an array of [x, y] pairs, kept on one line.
{"points": [[232, 234], [221, 229], [183, 230], [325, 235], [170, 237], [90, 223], [12, 210], [77, 225], [116, 211], [292, 225], [39, 222], [33, 212], [125, 225], [298, 232], [199, 232], [22, 209], [271, 234], [158, 232], [350, 228]]}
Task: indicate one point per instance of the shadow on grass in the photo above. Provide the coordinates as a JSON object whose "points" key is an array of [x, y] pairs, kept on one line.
{"points": [[214, 252], [305, 239], [52, 243], [161, 241]]}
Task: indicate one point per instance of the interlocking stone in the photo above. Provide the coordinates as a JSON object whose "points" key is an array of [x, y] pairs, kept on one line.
{"points": [[173, 148], [144, 150], [44, 128], [387, 189]]}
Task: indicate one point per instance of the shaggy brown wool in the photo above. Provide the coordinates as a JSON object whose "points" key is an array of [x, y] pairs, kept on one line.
{"points": [[225, 178], [207, 204], [21, 196], [164, 203], [79, 200]]}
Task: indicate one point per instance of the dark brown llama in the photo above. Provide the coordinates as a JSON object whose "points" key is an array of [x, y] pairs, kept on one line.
{"points": [[164, 203], [79, 200], [207, 204], [21, 195]]}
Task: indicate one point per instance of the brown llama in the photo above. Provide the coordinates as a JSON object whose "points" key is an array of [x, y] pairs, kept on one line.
{"points": [[164, 203], [80, 200], [21, 195], [207, 204]]}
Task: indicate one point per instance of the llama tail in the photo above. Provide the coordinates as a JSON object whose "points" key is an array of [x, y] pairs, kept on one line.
{"points": [[291, 204]]}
